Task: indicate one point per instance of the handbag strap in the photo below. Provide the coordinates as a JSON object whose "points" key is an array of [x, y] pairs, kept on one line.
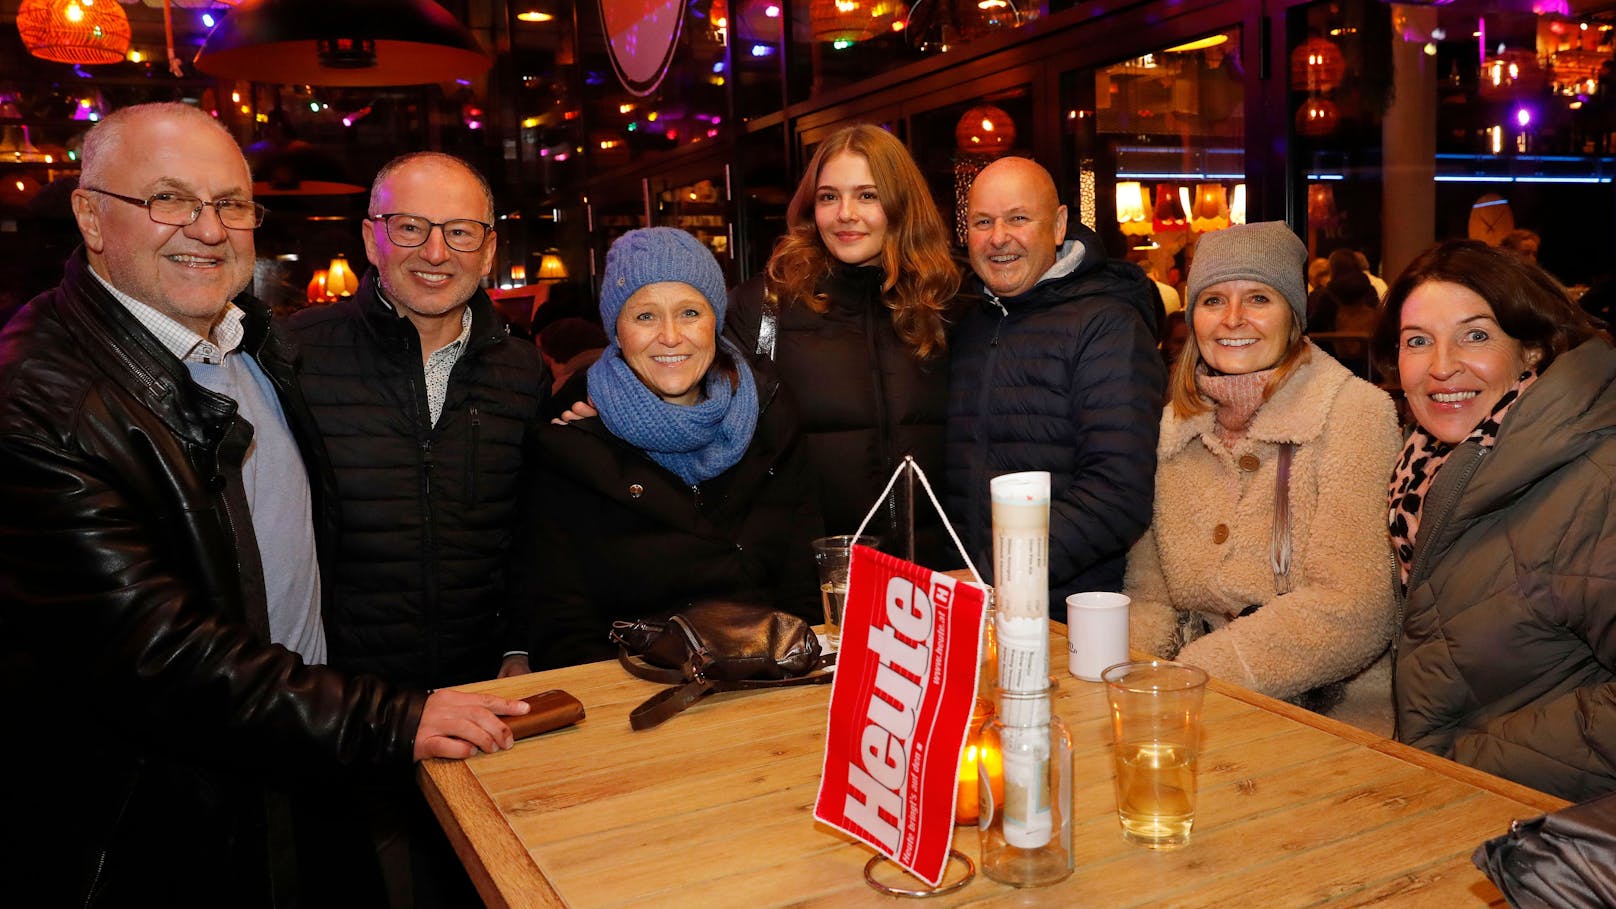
{"points": [[1279, 547], [659, 707], [643, 670]]}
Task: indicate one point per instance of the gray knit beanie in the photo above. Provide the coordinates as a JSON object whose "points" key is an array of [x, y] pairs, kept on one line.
{"points": [[1266, 251], [653, 254]]}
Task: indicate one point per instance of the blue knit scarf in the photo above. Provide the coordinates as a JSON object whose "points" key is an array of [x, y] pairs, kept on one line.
{"points": [[697, 442]]}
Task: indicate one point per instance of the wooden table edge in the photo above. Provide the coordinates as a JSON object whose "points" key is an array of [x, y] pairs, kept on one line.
{"points": [[1542, 801], [494, 857]]}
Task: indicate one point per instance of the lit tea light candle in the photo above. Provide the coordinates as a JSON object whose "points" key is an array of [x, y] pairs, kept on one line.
{"points": [[967, 801]]}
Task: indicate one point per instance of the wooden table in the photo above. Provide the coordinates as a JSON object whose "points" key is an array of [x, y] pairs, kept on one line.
{"points": [[715, 809]]}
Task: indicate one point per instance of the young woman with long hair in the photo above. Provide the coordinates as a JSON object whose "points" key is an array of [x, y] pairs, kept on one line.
{"points": [[853, 309]]}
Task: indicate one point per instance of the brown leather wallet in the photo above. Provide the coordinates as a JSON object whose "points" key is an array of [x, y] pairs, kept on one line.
{"points": [[549, 710]]}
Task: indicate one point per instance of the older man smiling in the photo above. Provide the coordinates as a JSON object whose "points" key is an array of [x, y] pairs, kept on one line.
{"points": [[425, 401], [1054, 369], [160, 493]]}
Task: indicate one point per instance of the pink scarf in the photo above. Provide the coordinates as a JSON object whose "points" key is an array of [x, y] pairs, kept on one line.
{"points": [[1237, 397], [1423, 455]]}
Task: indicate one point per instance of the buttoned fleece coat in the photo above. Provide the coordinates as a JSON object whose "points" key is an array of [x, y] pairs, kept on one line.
{"points": [[1065, 378], [865, 400], [1207, 553], [621, 537], [419, 589], [154, 726], [1507, 657]]}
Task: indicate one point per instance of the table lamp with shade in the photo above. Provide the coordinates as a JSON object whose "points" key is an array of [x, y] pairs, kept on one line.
{"points": [[337, 281], [551, 268]]}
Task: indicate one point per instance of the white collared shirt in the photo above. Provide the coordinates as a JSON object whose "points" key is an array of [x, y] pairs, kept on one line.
{"points": [[182, 342], [439, 363]]}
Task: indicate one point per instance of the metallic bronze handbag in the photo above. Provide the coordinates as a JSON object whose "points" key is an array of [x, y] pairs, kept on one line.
{"points": [[716, 645]]}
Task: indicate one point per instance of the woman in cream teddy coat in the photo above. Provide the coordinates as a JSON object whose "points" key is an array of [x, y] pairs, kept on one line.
{"points": [[1215, 583]]}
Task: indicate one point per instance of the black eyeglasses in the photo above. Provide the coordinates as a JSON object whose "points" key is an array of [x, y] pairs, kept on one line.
{"points": [[179, 210], [462, 234]]}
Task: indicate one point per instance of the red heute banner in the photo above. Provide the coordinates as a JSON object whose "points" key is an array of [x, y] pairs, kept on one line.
{"points": [[899, 710]]}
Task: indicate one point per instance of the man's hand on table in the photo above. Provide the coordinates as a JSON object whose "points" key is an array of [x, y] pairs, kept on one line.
{"points": [[457, 725]]}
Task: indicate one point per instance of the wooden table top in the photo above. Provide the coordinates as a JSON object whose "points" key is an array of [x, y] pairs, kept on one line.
{"points": [[715, 809]]}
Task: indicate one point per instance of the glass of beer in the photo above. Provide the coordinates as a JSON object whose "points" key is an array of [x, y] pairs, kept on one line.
{"points": [[832, 555], [1156, 726]]}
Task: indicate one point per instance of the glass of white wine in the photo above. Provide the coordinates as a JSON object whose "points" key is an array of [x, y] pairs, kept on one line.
{"points": [[833, 555], [1156, 721]]}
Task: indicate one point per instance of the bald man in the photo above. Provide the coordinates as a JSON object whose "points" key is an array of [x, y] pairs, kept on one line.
{"points": [[160, 627], [1055, 369]]}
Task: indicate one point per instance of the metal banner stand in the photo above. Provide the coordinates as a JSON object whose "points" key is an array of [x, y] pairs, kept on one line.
{"points": [[909, 470]]}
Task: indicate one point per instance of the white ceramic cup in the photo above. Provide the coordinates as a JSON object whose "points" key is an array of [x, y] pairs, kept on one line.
{"points": [[1096, 632]]}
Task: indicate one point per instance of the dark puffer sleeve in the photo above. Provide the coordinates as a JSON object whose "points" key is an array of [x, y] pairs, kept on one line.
{"points": [[1565, 744], [1116, 398]]}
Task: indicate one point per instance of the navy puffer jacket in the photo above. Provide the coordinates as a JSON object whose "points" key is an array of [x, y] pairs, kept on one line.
{"points": [[1064, 378]]}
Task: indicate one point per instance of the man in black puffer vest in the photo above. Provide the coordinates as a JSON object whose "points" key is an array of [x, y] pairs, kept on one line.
{"points": [[425, 403], [1055, 369]]}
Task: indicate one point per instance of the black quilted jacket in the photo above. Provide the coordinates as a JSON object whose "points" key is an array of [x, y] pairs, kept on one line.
{"points": [[418, 589]]}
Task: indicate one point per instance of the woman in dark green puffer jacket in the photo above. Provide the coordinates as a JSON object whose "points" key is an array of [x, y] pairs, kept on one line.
{"points": [[1503, 512]]}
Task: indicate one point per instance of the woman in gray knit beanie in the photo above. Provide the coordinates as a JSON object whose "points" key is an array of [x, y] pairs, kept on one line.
{"points": [[1267, 562]]}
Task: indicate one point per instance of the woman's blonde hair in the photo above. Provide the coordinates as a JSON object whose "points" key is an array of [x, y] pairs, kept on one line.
{"points": [[921, 278], [1186, 398]]}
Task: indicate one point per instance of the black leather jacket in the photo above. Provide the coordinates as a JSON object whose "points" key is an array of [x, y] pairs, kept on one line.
{"points": [[151, 721]]}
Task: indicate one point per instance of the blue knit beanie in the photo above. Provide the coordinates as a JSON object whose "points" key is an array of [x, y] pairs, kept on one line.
{"points": [[653, 254], [1266, 251]]}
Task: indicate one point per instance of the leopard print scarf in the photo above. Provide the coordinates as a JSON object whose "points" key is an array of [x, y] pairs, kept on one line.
{"points": [[1416, 470]]}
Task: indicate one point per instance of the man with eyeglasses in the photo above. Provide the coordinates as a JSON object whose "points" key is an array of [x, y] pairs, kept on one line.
{"points": [[424, 400], [160, 629]]}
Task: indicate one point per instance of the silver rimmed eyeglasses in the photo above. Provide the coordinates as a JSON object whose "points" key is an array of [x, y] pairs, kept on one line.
{"points": [[461, 234], [180, 210]]}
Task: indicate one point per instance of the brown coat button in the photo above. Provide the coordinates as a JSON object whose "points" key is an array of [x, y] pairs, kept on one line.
{"points": [[1249, 462], [1220, 533], [635, 491]]}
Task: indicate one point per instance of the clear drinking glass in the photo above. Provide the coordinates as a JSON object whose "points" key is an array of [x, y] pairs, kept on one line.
{"points": [[1156, 721], [832, 555]]}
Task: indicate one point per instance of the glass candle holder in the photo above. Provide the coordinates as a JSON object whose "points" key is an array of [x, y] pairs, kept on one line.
{"points": [[967, 802], [1024, 786]]}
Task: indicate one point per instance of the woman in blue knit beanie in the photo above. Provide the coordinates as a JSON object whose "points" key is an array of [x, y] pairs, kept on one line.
{"points": [[689, 485]]}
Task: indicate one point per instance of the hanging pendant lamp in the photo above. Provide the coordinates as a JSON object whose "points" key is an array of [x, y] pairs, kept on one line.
{"points": [[342, 42], [74, 31]]}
